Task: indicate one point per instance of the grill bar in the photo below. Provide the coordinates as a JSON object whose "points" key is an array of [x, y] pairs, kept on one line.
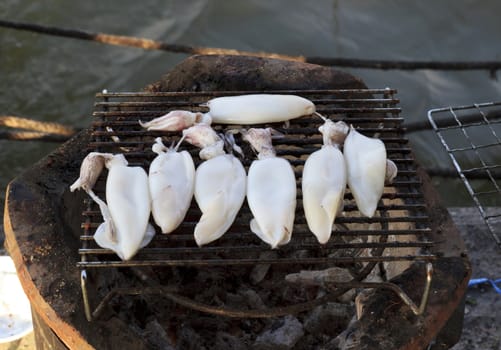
{"points": [[249, 236], [388, 101], [239, 262], [359, 120], [140, 113], [246, 249], [337, 92]]}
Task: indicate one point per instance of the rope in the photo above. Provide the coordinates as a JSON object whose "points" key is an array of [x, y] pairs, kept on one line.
{"points": [[148, 44], [142, 43], [35, 125], [38, 131]]}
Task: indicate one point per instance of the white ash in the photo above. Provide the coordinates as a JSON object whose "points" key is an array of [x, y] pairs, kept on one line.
{"points": [[287, 332]]}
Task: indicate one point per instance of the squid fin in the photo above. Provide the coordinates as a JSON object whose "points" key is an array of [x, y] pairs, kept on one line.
{"points": [[331, 203], [148, 236], [104, 239], [256, 229], [213, 223]]}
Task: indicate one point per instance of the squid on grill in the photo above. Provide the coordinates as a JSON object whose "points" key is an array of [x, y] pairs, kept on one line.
{"points": [[125, 228], [324, 181], [175, 121], [258, 108], [171, 184], [220, 183], [90, 169], [271, 191], [366, 163], [241, 109]]}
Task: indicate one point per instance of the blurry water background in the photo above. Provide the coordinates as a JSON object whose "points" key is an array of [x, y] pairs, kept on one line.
{"points": [[55, 79]]}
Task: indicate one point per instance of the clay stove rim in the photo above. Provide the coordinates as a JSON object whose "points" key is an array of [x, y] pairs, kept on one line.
{"points": [[72, 338]]}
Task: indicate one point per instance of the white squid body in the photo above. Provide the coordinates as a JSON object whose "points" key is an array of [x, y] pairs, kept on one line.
{"points": [[271, 191], [171, 184], [220, 193], [220, 184], [324, 184], [128, 199], [258, 108], [366, 163], [241, 109]]}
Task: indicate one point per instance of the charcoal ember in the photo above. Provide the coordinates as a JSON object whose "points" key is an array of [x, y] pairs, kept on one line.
{"points": [[295, 294], [252, 299], [235, 301], [213, 295], [326, 279], [345, 340], [348, 297], [226, 341], [314, 341], [284, 334], [157, 337], [189, 339], [245, 298], [301, 254], [329, 319], [119, 335], [320, 278], [205, 324], [260, 271], [251, 326]]}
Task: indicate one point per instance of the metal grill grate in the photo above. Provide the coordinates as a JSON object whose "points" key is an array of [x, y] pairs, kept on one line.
{"points": [[472, 137], [398, 232]]}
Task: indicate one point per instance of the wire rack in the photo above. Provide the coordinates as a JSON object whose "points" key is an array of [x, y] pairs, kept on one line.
{"points": [[472, 137], [400, 231]]}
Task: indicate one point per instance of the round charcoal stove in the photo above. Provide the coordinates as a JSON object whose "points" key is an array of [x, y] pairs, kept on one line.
{"points": [[390, 281]]}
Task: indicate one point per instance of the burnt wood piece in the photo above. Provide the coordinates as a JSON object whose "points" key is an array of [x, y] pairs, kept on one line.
{"points": [[42, 218]]}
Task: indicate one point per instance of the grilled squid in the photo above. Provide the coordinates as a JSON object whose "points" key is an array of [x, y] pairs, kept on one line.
{"points": [[324, 181], [220, 184], [125, 228], [271, 191], [90, 169], [391, 172], [174, 121], [171, 183], [241, 109], [258, 108], [366, 163]]}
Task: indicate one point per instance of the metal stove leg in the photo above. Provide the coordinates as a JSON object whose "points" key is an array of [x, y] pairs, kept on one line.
{"points": [[417, 310], [83, 283], [426, 293]]}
